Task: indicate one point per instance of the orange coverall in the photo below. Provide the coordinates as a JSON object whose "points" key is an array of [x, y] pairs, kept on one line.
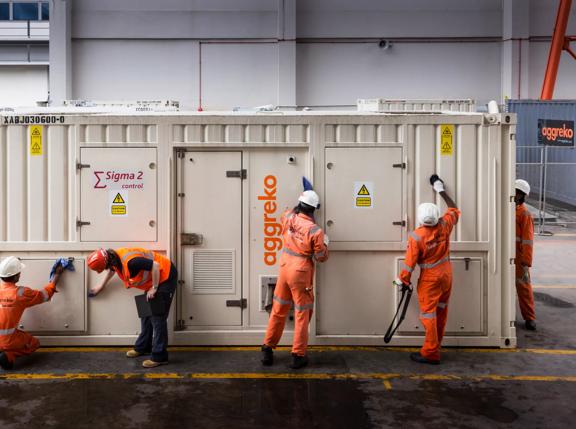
{"points": [[13, 301], [524, 244], [429, 246], [303, 242]]}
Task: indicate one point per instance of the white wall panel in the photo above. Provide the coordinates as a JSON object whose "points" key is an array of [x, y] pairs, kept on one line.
{"points": [[197, 19], [398, 18], [23, 85], [543, 17], [135, 70], [565, 82], [239, 75], [340, 73]]}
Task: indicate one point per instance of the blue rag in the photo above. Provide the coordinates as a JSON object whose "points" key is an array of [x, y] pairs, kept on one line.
{"points": [[306, 184], [66, 263]]}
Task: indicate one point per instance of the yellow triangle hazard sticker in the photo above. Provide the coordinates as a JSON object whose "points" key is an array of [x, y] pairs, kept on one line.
{"points": [[363, 190], [35, 132], [446, 131], [446, 147], [118, 199], [36, 147]]}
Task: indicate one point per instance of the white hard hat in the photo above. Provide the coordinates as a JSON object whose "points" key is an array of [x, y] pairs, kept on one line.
{"points": [[428, 214], [10, 266], [523, 185], [310, 197]]}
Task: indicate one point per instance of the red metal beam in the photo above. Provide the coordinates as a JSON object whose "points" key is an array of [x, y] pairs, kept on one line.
{"points": [[559, 42]]}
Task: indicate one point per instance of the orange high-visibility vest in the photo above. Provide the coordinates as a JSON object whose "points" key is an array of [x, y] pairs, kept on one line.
{"points": [[143, 280]]}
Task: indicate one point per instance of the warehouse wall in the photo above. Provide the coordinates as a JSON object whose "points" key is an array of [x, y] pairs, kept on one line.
{"points": [[221, 54], [23, 85]]}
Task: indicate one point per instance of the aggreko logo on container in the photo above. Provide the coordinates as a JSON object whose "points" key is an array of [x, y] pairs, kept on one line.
{"points": [[552, 133], [272, 228]]}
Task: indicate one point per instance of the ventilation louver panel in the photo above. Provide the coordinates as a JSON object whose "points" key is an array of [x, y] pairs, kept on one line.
{"points": [[213, 270]]}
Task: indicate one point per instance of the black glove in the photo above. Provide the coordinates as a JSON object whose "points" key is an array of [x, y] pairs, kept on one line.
{"points": [[434, 178]]}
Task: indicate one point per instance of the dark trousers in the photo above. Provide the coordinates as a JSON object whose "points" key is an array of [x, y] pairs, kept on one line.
{"points": [[153, 336]]}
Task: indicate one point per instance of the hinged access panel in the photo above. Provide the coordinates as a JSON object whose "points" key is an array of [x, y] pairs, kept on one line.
{"points": [[118, 200], [211, 267], [66, 312], [364, 198]]}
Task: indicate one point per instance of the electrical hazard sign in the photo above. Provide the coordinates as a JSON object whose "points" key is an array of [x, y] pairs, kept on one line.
{"points": [[447, 140], [118, 203], [36, 140], [363, 195]]}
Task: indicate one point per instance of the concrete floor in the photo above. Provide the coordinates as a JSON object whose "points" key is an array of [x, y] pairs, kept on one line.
{"points": [[531, 387]]}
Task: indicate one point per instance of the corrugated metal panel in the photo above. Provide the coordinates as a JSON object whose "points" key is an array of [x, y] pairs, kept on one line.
{"points": [[36, 202], [241, 133], [365, 133], [97, 133], [560, 179]]}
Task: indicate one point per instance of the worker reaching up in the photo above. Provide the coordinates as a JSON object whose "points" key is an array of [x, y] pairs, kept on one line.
{"points": [[14, 300], [156, 275], [304, 242], [429, 247], [524, 247]]}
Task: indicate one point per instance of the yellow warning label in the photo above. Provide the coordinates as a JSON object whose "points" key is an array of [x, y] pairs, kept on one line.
{"points": [[447, 140], [118, 199], [363, 190], [364, 202], [118, 210], [36, 140]]}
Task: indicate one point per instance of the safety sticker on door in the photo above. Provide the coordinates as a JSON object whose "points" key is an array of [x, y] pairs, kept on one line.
{"points": [[118, 203], [363, 195], [36, 140], [447, 140]]}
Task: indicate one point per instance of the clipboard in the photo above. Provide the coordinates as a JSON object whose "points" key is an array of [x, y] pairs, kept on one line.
{"points": [[143, 306], [154, 307]]}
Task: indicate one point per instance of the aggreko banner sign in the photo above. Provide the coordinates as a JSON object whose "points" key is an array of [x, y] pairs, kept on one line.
{"points": [[553, 132]]}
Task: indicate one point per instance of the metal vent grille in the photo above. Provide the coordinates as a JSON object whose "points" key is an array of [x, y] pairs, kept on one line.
{"points": [[213, 270]]}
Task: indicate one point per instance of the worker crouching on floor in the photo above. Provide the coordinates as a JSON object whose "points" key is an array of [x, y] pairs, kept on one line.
{"points": [[157, 276], [429, 247], [524, 247], [304, 242], [14, 300]]}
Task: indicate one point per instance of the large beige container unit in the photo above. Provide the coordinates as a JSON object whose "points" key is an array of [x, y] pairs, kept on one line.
{"points": [[209, 189]]}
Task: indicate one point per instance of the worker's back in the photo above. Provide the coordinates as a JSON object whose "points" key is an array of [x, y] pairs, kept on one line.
{"points": [[434, 241], [13, 301]]}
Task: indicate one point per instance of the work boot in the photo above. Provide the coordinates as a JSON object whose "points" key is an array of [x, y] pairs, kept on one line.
{"points": [[530, 325], [133, 354], [298, 361], [4, 362], [152, 363], [267, 356], [417, 357]]}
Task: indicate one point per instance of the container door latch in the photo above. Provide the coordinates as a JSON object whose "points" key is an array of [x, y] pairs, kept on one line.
{"points": [[242, 303], [241, 174]]}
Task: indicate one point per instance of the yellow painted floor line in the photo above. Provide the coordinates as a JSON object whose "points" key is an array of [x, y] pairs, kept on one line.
{"points": [[385, 377], [311, 348], [556, 286]]}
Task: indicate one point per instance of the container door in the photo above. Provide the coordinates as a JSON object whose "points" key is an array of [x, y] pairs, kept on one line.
{"points": [[210, 238], [364, 194], [66, 311], [118, 194], [466, 308]]}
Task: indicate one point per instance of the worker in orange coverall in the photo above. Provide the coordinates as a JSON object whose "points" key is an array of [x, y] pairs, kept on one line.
{"points": [[429, 247], [304, 242], [524, 245], [13, 301]]}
